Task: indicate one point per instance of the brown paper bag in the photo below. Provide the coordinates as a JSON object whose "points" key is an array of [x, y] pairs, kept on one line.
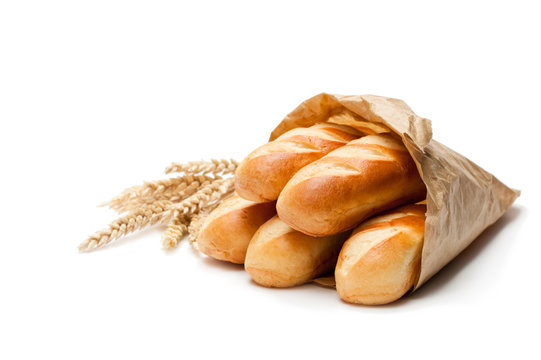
{"points": [[462, 199]]}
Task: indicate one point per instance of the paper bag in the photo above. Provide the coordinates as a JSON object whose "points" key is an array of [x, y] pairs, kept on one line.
{"points": [[462, 199]]}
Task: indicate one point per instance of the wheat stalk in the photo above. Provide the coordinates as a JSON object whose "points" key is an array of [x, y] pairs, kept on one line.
{"points": [[173, 189], [220, 166]]}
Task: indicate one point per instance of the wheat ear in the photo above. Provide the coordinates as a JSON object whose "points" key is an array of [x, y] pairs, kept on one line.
{"points": [[173, 189], [220, 166], [175, 231], [157, 213], [195, 227]]}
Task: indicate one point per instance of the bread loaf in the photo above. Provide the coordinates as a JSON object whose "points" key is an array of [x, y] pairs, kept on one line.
{"points": [[337, 192], [262, 175], [228, 229], [381, 260], [279, 256]]}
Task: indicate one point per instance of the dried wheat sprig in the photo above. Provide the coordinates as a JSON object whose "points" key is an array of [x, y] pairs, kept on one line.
{"points": [[214, 166], [160, 212], [175, 231], [157, 213], [173, 189], [176, 201]]}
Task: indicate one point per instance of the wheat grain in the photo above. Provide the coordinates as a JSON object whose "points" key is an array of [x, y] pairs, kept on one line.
{"points": [[220, 166], [175, 231]]}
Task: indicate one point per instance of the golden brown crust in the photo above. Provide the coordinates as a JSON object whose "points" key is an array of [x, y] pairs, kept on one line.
{"points": [[381, 261], [261, 178], [227, 231], [279, 256], [263, 174], [350, 184]]}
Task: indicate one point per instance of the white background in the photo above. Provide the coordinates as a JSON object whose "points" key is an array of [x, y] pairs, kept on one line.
{"points": [[96, 96]]}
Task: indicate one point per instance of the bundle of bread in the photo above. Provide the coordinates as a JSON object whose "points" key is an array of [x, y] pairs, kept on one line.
{"points": [[327, 180]]}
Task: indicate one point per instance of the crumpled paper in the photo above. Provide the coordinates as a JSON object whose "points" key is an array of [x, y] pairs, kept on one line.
{"points": [[462, 198]]}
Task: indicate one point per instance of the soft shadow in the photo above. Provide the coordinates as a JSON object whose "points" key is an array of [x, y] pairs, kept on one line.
{"points": [[458, 264], [303, 296], [288, 288], [222, 265], [469, 254]]}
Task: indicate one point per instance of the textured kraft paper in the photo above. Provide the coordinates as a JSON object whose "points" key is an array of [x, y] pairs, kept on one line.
{"points": [[462, 199]]}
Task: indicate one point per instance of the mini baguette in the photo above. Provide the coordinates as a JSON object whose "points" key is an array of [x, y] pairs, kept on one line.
{"points": [[381, 260], [228, 229], [262, 175], [279, 256], [335, 193]]}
